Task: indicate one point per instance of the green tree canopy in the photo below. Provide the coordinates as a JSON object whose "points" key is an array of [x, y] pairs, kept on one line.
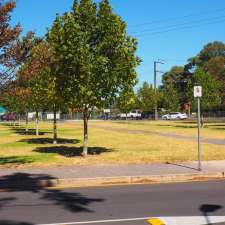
{"points": [[177, 78], [146, 98], [96, 57], [210, 90], [126, 101], [168, 98], [212, 60]]}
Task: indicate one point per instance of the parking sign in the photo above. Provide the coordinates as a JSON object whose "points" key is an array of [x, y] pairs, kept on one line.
{"points": [[197, 91]]}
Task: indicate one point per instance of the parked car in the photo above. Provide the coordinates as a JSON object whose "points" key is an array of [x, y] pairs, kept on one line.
{"points": [[136, 114], [9, 116], [175, 116]]}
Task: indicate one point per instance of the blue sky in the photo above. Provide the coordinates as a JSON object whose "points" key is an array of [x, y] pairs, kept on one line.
{"points": [[173, 30]]}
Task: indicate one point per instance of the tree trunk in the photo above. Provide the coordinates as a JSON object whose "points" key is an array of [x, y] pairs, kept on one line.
{"points": [[202, 121], [54, 128], [85, 144], [189, 111], [37, 124], [26, 129], [19, 121]]}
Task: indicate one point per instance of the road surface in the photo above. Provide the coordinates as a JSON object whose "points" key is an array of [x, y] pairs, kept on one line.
{"points": [[202, 202]]}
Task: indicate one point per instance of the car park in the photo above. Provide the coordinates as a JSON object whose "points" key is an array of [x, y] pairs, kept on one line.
{"points": [[175, 116]]}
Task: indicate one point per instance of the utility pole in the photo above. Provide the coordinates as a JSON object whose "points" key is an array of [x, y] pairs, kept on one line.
{"points": [[155, 86]]}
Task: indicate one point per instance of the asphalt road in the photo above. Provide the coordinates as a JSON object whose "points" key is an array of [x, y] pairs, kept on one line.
{"points": [[124, 205]]}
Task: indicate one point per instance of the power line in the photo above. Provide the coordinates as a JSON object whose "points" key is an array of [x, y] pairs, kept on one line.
{"points": [[181, 24], [172, 60], [181, 28], [181, 17]]}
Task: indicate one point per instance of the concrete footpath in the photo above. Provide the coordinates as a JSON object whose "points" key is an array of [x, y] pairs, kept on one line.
{"points": [[83, 176]]}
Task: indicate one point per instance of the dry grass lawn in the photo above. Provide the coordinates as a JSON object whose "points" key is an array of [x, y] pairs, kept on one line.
{"points": [[105, 146]]}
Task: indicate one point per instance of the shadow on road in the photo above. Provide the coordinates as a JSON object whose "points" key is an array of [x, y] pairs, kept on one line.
{"points": [[25, 182], [5, 201], [71, 201], [208, 208], [7, 222], [71, 151], [40, 184]]}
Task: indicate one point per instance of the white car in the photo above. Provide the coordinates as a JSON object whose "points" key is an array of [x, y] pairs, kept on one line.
{"points": [[175, 116], [136, 114]]}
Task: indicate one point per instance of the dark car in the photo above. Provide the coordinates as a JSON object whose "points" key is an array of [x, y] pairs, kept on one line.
{"points": [[9, 116]]}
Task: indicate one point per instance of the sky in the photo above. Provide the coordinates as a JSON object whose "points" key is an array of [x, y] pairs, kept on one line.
{"points": [[169, 30]]}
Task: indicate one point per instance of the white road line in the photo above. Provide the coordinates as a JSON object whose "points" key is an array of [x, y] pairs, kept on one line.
{"points": [[193, 220], [99, 221], [187, 220]]}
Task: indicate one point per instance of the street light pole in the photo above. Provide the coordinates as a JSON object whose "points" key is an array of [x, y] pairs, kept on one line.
{"points": [[155, 86], [155, 89]]}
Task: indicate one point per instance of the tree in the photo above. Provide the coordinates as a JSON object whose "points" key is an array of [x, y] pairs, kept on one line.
{"points": [[126, 101], [211, 59], [54, 99], [168, 97], [16, 98], [211, 90], [177, 78], [8, 34], [96, 57], [34, 74], [38, 72], [146, 98]]}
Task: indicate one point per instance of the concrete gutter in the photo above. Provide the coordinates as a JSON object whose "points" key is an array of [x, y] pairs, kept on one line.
{"points": [[109, 181]]}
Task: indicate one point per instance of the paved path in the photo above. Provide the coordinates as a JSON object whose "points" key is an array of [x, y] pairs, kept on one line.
{"points": [[117, 170], [163, 134]]}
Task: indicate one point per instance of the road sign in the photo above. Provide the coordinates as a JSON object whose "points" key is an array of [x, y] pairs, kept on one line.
{"points": [[198, 95], [197, 91]]}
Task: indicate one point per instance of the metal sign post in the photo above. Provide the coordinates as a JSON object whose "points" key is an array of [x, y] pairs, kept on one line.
{"points": [[198, 95]]}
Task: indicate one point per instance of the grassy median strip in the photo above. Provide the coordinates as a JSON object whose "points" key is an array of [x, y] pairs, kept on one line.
{"points": [[105, 146]]}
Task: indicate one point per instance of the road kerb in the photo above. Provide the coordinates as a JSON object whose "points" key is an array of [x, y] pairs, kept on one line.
{"points": [[109, 181]]}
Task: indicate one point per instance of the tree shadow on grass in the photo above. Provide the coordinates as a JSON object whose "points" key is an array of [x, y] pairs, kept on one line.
{"points": [[50, 141], [71, 151], [220, 127], [22, 131], [16, 160], [39, 184], [176, 126]]}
